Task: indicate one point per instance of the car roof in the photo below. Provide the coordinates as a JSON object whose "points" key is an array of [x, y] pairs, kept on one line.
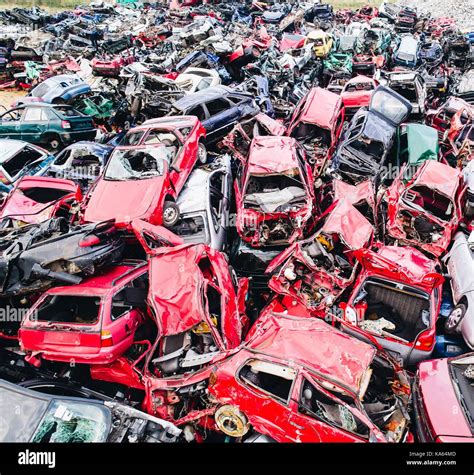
{"points": [[179, 121], [312, 343], [102, 283], [275, 153], [206, 95]]}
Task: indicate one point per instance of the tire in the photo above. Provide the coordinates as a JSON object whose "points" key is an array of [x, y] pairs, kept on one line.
{"points": [[170, 214], [202, 153], [454, 319], [53, 141]]}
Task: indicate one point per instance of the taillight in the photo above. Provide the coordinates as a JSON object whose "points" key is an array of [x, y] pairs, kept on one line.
{"points": [[89, 241], [65, 124], [426, 340], [106, 339]]}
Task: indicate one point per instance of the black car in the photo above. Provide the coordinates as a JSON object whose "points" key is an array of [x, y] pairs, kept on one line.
{"points": [[35, 256], [31, 416]]}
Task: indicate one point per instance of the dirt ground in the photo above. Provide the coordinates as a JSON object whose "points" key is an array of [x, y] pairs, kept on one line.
{"points": [[8, 96]]}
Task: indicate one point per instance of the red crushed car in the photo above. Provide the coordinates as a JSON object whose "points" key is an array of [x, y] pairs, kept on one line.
{"points": [[199, 310], [298, 379], [93, 322], [396, 299], [36, 199], [357, 93], [317, 122], [442, 399], [317, 270], [274, 193], [425, 210], [110, 65], [143, 178]]}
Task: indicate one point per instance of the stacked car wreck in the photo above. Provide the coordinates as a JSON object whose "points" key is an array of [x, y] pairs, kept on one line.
{"points": [[237, 222]]}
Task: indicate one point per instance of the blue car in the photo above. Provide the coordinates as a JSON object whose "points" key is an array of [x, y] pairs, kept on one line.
{"points": [[19, 159], [218, 108], [61, 89]]}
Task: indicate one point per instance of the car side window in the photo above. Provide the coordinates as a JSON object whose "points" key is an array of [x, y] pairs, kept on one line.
{"points": [[271, 378], [11, 116], [216, 198], [197, 111], [214, 302], [120, 306], [33, 114], [317, 405], [217, 106]]}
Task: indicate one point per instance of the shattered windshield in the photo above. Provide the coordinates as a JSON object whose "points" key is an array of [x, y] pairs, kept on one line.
{"points": [[69, 421], [137, 164]]}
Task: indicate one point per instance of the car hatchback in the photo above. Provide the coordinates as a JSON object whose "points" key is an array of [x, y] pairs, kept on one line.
{"points": [[50, 125], [93, 322]]}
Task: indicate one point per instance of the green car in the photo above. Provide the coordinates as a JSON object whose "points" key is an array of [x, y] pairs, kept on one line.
{"points": [[46, 124], [417, 143]]}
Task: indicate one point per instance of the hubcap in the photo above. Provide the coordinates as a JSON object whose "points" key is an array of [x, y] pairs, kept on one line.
{"points": [[454, 318], [169, 215], [202, 154]]}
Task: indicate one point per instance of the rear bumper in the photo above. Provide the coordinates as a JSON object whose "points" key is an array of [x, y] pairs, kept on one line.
{"points": [[77, 135]]}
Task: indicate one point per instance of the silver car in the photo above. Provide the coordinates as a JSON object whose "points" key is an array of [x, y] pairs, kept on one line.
{"points": [[460, 265], [204, 205]]}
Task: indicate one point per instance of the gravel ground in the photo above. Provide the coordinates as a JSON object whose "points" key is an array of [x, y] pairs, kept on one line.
{"points": [[460, 10]]}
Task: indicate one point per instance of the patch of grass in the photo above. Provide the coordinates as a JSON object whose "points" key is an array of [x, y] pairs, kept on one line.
{"points": [[46, 4]]}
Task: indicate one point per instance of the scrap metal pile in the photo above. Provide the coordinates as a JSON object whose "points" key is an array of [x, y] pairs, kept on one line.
{"points": [[237, 221]]}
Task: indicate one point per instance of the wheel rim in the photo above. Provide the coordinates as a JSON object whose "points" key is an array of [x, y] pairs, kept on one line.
{"points": [[454, 318], [169, 215], [201, 154], [54, 143]]}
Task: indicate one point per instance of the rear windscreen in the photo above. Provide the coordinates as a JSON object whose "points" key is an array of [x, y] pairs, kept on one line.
{"points": [[69, 309]]}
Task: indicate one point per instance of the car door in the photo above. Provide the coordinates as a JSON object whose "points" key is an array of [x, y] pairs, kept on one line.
{"points": [[222, 116], [33, 125], [10, 124], [320, 416], [219, 205], [268, 402], [125, 317]]}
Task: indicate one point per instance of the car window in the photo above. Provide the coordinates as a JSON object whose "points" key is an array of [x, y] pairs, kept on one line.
{"points": [[21, 161], [34, 114], [217, 106], [132, 138], [120, 306], [72, 309], [137, 164], [69, 112], [216, 199], [271, 378], [12, 115], [214, 302], [316, 404], [197, 111], [203, 84]]}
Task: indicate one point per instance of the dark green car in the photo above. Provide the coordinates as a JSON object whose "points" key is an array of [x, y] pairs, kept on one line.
{"points": [[46, 124]]}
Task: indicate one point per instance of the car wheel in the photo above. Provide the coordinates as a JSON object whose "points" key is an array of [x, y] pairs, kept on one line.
{"points": [[454, 319], [202, 153], [232, 421], [170, 213], [54, 142]]}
